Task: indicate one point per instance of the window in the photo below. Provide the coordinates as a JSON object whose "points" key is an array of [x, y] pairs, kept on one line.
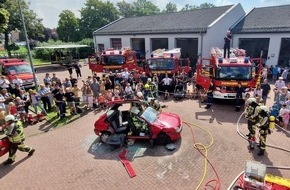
{"points": [[234, 73], [101, 47], [116, 43], [161, 64], [284, 56]]}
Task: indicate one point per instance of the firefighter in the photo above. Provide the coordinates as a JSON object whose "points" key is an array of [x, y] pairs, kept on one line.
{"points": [[154, 104], [251, 115], [152, 88], [139, 124], [16, 138], [263, 126]]}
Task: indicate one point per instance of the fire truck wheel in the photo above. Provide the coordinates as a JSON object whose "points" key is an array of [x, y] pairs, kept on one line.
{"points": [[104, 136], [162, 139]]}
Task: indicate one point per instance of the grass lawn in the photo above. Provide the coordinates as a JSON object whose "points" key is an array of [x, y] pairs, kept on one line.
{"points": [[22, 52]]}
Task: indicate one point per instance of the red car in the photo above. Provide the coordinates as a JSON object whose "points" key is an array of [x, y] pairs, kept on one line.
{"points": [[161, 127]]}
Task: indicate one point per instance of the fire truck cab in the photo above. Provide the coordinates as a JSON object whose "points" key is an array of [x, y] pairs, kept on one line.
{"points": [[111, 60], [227, 73], [17, 67], [169, 62]]}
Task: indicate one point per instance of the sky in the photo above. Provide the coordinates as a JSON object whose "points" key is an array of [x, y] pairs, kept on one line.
{"points": [[49, 10]]}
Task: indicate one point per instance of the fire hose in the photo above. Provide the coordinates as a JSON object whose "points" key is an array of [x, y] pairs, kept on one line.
{"points": [[268, 145], [201, 147]]}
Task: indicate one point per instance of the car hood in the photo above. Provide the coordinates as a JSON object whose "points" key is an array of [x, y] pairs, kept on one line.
{"points": [[168, 120], [22, 76]]}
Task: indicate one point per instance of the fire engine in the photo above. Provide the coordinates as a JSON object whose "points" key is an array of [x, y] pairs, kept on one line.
{"points": [[227, 73], [114, 60], [169, 62], [17, 67]]}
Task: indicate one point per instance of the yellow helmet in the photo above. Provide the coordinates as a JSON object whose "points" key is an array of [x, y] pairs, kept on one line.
{"points": [[146, 86]]}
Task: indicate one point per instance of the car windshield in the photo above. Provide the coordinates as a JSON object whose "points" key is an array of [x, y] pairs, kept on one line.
{"points": [[18, 69], [230, 73], [113, 60], [150, 115], [161, 64]]}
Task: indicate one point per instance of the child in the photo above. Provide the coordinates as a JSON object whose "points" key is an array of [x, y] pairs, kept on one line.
{"points": [[2, 116], [20, 104], [194, 92], [90, 98], [116, 92], [12, 109], [102, 101], [247, 96], [109, 95], [284, 116], [203, 95]]}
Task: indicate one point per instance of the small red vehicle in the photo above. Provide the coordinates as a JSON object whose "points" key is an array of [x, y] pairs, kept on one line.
{"points": [[4, 144], [162, 127]]}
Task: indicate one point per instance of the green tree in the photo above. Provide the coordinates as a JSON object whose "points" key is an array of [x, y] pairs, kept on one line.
{"points": [[68, 26], [4, 16], [125, 9], [33, 24], [188, 7], [144, 7], [206, 5], [96, 14], [170, 8]]}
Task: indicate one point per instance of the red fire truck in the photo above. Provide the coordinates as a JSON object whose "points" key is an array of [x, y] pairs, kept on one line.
{"points": [[226, 73], [111, 60], [163, 61]]}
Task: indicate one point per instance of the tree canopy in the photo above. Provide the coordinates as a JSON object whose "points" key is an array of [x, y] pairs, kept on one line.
{"points": [[96, 14], [68, 26]]}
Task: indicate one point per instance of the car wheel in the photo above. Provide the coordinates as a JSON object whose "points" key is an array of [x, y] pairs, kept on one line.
{"points": [[104, 136], [163, 139]]}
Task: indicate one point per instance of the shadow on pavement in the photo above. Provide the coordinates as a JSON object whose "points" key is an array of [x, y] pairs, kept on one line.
{"points": [[4, 170], [138, 149]]}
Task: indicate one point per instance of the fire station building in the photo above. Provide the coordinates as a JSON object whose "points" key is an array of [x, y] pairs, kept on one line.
{"points": [[195, 32], [265, 31]]}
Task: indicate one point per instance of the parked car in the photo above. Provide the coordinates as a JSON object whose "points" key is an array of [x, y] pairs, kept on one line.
{"points": [[162, 127]]}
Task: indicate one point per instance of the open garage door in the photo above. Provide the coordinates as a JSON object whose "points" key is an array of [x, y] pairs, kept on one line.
{"points": [[189, 49], [254, 46], [284, 55], [159, 43], [138, 44]]}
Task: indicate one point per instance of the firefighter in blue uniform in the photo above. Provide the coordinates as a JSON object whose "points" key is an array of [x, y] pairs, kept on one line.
{"points": [[14, 131]]}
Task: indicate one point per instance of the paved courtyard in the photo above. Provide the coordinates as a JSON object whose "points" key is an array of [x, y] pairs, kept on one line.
{"points": [[72, 157]]}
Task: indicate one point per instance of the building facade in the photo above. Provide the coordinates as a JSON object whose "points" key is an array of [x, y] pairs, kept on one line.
{"points": [[195, 32], [265, 32]]}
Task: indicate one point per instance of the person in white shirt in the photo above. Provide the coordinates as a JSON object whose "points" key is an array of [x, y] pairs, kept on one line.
{"points": [[47, 79], [17, 81], [4, 83], [128, 91], [166, 82]]}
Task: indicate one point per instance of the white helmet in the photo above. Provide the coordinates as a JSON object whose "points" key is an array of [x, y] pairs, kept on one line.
{"points": [[149, 80], [9, 118], [250, 100], [139, 94], [134, 110], [263, 108], [150, 99]]}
